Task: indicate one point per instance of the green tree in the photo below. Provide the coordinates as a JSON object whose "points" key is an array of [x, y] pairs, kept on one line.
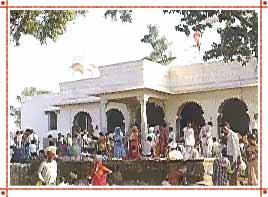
{"points": [[160, 44], [16, 111], [124, 15], [42, 24], [238, 36], [32, 91]]}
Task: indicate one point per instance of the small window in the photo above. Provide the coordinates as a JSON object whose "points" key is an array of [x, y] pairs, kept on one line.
{"points": [[52, 121]]}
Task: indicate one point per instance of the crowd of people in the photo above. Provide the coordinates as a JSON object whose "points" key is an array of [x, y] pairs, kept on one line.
{"points": [[235, 155]]}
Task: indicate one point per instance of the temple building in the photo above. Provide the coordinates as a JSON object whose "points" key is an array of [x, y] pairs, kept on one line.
{"points": [[149, 94]]}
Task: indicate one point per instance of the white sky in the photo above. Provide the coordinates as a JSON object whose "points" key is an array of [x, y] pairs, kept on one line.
{"points": [[98, 41]]}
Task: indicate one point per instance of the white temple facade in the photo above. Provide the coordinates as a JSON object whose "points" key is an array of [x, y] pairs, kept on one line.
{"points": [[149, 94]]}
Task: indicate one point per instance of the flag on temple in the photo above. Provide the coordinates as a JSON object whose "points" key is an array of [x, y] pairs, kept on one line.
{"points": [[197, 36]]}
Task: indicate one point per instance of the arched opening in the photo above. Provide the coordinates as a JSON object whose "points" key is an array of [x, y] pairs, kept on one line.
{"points": [[234, 111], [115, 118], [190, 111], [83, 121], [155, 115]]}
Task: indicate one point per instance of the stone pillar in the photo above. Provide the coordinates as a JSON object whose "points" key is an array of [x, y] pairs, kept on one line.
{"points": [[132, 114], [144, 128], [103, 117]]}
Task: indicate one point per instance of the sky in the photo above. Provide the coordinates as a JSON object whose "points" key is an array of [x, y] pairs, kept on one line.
{"points": [[96, 40]]}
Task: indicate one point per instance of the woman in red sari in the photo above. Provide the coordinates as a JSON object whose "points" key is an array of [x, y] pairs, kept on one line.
{"points": [[134, 149], [163, 140], [99, 175]]}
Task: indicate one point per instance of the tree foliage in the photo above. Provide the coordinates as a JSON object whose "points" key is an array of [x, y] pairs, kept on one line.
{"points": [[32, 91], [124, 15], [16, 111], [160, 44], [238, 36], [42, 24]]}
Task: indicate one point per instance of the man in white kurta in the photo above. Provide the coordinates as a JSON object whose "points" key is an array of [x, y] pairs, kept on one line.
{"points": [[47, 172], [233, 151], [206, 139], [172, 134], [189, 139]]}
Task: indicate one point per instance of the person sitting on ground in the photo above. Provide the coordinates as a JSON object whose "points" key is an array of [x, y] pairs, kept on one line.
{"points": [[174, 154], [216, 152], [147, 148]]}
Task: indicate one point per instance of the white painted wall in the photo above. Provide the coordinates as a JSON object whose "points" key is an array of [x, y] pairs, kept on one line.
{"points": [[33, 114], [123, 108], [210, 102], [68, 112], [210, 84], [211, 76]]}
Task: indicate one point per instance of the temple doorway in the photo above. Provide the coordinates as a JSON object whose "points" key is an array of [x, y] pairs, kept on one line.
{"points": [[234, 111], [115, 118], [82, 121], [190, 111], [155, 115]]}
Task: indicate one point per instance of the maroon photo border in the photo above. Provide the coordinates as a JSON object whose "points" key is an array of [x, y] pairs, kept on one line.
{"points": [[4, 5]]}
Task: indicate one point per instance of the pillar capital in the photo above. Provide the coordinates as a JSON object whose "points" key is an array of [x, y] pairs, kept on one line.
{"points": [[104, 102], [143, 99]]}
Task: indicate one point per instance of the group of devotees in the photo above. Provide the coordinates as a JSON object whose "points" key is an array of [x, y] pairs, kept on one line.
{"points": [[234, 155]]}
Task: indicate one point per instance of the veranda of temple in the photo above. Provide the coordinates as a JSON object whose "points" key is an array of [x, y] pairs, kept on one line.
{"points": [[149, 94]]}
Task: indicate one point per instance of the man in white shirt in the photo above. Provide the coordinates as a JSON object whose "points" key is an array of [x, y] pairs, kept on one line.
{"points": [[147, 147], [233, 150], [96, 132], [153, 136], [18, 138], [189, 139], [47, 171], [33, 150], [206, 139], [172, 134]]}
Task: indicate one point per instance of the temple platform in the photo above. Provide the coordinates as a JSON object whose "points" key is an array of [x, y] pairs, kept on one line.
{"points": [[125, 172]]}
